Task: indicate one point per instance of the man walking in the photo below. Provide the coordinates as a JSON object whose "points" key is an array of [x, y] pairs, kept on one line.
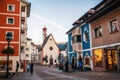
{"points": [[31, 68], [17, 67]]}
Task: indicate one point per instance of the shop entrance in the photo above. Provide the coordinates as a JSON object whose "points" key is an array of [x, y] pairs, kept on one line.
{"points": [[111, 63]]}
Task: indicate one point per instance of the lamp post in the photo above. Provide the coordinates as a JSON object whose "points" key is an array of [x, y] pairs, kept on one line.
{"points": [[8, 38]]}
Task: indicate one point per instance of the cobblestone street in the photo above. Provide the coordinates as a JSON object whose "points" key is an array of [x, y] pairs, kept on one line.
{"points": [[46, 73]]}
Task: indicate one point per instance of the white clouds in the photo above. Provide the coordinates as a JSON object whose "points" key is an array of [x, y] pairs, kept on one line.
{"points": [[49, 21]]}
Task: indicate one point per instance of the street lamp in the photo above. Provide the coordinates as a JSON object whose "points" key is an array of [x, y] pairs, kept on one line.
{"points": [[8, 38]]}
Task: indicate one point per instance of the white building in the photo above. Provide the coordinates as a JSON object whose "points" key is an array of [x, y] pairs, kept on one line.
{"points": [[25, 13], [49, 48]]}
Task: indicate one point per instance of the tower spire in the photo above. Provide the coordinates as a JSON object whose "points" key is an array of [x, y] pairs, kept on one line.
{"points": [[44, 32]]}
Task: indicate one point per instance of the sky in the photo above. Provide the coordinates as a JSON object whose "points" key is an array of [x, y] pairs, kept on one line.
{"points": [[57, 15]]}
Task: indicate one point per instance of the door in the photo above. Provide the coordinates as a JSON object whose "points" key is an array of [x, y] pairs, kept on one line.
{"points": [[111, 60]]}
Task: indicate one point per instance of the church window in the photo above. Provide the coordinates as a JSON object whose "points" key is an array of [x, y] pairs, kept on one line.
{"points": [[51, 48]]}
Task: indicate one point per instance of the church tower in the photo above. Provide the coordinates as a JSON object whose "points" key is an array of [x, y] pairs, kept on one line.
{"points": [[44, 32]]}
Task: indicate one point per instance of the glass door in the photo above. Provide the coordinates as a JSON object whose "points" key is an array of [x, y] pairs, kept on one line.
{"points": [[112, 61]]}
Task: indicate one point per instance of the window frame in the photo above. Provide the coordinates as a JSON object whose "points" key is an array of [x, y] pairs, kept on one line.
{"points": [[85, 36], [99, 28], [75, 39], [10, 18], [12, 6], [22, 8], [110, 25], [12, 34]]}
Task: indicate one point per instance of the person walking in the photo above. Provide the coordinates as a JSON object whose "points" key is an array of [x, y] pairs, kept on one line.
{"points": [[31, 68], [73, 64], [28, 67], [80, 65], [66, 66], [17, 67]]}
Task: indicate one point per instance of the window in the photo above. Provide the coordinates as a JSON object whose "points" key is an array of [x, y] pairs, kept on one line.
{"points": [[27, 55], [86, 36], [98, 58], [3, 65], [51, 48], [22, 9], [27, 48], [98, 31], [87, 61], [76, 38], [114, 25], [22, 49], [11, 33], [23, 20], [10, 20], [11, 7]]}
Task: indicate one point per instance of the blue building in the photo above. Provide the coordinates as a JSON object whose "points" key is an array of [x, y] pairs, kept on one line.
{"points": [[86, 46], [71, 53]]}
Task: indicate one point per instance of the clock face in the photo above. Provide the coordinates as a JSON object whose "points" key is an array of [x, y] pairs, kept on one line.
{"points": [[51, 48]]}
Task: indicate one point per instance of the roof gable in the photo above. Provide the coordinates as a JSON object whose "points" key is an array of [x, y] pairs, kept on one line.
{"points": [[49, 37]]}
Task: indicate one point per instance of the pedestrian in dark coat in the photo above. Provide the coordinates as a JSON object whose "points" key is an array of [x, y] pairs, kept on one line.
{"points": [[80, 64], [17, 67], [31, 68], [66, 66], [73, 64]]}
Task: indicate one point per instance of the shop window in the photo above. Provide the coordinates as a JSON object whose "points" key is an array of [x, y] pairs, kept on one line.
{"points": [[10, 7], [98, 59], [10, 20], [3, 65], [98, 31], [113, 25]]}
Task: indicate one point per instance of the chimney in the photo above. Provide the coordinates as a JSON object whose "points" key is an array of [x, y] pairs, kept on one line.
{"points": [[44, 32]]}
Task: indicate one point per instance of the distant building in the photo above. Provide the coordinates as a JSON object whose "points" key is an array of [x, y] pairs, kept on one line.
{"points": [[49, 49], [25, 13], [63, 48]]}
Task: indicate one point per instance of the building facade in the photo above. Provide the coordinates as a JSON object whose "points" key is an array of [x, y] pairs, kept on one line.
{"points": [[86, 47], [9, 22], [105, 30], [25, 13], [100, 31], [49, 51]]}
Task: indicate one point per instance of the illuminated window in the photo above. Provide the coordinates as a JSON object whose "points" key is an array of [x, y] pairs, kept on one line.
{"points": [[98, 58]]}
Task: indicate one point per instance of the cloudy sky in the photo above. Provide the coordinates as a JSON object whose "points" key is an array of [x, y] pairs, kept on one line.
{"points": [[57, 15]]}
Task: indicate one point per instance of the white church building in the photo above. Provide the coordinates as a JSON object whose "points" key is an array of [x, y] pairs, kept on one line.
{"points": [[48, 49]]}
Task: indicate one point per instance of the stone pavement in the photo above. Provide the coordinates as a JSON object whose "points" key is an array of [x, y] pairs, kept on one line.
{"points": [[26, 76]]}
